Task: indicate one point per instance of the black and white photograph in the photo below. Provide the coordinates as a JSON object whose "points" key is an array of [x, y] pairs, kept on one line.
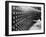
{"points": [[24, 18]]}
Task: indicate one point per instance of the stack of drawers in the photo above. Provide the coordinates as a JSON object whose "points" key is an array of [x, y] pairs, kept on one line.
{"points": [[17, 18]]}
